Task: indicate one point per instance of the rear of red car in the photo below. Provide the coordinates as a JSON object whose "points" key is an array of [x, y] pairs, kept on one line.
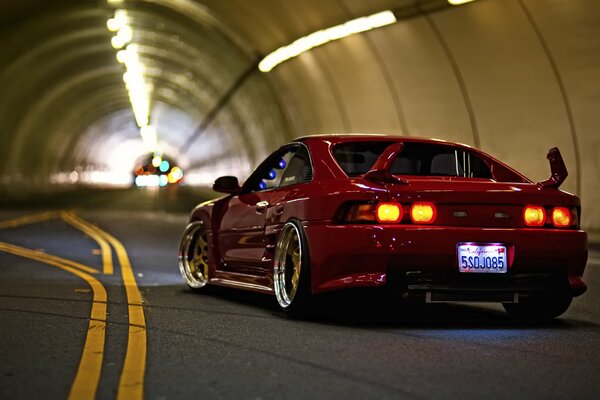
{"points": [[445, 222]]}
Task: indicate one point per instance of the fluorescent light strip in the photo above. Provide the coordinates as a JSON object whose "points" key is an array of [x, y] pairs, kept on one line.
{"points": [[138, 88], [326, 35], [458, 2]]}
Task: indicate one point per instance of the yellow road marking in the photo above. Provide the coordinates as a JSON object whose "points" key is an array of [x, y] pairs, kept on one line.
{"points": [[95, 234], [90, 366], [131, 382], [45, 257], [28, 219]]}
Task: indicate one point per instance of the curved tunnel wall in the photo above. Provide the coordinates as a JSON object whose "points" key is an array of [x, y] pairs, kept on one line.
{"points": [[512, 77]]}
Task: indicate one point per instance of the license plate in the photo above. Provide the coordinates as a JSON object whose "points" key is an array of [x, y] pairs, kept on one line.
{"points": [[482, 258]]}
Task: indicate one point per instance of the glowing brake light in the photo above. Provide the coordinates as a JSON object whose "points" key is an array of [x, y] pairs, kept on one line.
{"points": [[561, 217], [389, 212], [534, 216], [422, 213]]}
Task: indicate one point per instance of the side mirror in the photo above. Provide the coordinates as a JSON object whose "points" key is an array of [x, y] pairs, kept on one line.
{"points": [[227, 184]]}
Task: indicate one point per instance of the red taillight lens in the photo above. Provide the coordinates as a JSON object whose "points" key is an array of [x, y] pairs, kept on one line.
{"points": [[534, 216], [388, 212], [423, 213], [561, 217]]}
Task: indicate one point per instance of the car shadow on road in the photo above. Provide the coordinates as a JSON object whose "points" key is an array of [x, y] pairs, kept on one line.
{"points": [[376, 308]]}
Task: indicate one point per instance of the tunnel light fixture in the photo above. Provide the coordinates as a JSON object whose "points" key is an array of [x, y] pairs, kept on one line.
{"points": [[139, 92], [124, 36], [118, 21], [459, 2], [138, 87], [324, 36]]}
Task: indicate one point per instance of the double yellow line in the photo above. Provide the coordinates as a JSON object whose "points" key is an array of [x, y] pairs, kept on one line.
{"points": [[131, 382], [85, 384]]}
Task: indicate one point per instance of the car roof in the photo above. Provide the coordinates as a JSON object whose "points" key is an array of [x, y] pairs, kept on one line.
{"points": [[362, 137]]}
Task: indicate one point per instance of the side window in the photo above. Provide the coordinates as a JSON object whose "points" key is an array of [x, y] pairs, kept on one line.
{"points": [[269, 174], [299, 169]]}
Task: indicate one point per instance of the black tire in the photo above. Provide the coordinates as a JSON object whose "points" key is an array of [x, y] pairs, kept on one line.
{"points": [[291, 272], [193, 255], [540, 308]]}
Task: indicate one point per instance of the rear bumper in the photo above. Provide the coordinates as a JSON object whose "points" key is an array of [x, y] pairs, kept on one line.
{"points": [[344, 256]]}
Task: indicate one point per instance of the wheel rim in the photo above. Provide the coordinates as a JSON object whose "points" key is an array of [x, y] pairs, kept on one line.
{"points": [[193, 256], [288, 264]]}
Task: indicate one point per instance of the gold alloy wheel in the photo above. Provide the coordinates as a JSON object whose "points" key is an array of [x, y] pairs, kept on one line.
{"points": [[193, 255], [288, 265]]}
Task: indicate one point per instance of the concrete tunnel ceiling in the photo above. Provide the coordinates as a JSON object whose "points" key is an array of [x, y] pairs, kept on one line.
{"points": [[512, 77]]}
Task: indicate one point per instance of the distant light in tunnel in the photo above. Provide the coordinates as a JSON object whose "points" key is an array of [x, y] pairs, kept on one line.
{"points": [[163, 180], [326, 35], [457, 2], [175, 175], [74, 176], [147, 180], [164, 166], [156, 161]]}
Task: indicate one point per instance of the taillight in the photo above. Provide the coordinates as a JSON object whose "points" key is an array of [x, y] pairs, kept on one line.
{"points": [[422, 213], [534, 216], [561, 217], [360, 213], [388, 212]]}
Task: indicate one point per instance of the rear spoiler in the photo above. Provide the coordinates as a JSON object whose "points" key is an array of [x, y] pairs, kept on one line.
{"points": [[381, 171], [558, 170]]}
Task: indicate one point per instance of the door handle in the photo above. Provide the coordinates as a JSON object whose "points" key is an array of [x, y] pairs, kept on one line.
{"points": [[261, 206]]}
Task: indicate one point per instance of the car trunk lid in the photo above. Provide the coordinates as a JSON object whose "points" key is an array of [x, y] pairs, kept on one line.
{"points": [[474, 202]]}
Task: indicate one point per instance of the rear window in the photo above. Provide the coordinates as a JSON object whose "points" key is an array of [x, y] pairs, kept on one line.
{"points": [[421, 159]]}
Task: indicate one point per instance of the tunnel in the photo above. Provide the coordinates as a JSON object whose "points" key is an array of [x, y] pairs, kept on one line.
{"points": [[156, 99]]}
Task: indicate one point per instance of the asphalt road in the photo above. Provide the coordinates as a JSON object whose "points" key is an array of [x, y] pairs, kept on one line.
{"points": [[59, 335]]}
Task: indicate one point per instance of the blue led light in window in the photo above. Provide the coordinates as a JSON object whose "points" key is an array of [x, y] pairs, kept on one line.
{"points": [[272, 174], [281, 164], [262, 185]]}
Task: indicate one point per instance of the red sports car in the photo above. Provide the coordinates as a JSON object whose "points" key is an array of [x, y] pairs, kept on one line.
{"points": [[433, 219]]}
